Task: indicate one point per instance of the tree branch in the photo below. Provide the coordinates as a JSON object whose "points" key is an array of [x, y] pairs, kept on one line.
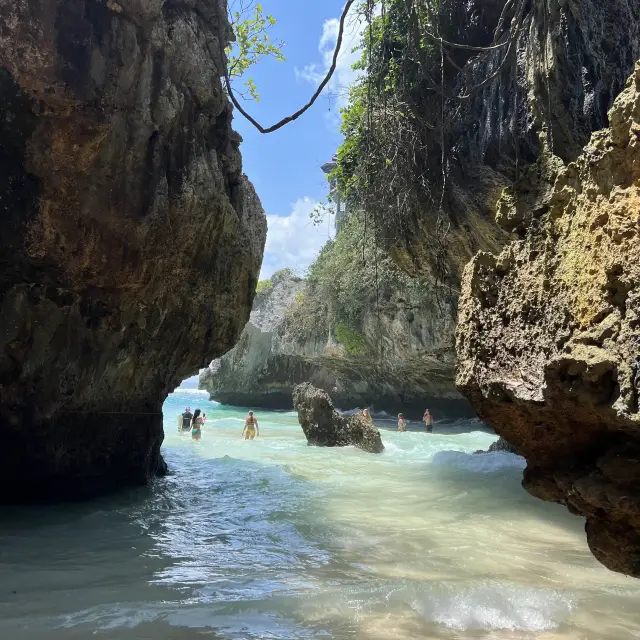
{"points": [[309, 104]]}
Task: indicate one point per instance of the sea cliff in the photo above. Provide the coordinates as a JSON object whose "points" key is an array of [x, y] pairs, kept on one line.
{"points": [[385, 341], [130, 240]]}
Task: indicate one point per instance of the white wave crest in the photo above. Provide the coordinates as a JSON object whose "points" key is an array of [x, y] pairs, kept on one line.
{"points": [[479, 463], [497, 606], [199, 392]]}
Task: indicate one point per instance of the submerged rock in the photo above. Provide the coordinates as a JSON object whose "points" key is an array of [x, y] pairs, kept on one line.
{"points": [[324, 427], [130, 242], [549, 337]]}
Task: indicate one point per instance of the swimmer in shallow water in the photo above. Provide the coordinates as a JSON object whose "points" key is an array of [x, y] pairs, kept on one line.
{"points": [[251, 429], [196, 425], [402, 423]]}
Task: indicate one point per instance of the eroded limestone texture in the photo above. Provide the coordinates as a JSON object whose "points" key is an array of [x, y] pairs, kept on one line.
{"points": [[130, 241], [572, 59], [549, 333], [324, 427]]}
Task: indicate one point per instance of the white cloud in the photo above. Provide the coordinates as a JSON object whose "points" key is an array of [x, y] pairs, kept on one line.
{"points": [[293, 241], [344, 75]]}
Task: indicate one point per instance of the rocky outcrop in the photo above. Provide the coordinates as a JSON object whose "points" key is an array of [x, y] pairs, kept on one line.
{"points": [[286, 343], [571, 60], [324, 427], [549, 333], [129, 240], [499, 445]]}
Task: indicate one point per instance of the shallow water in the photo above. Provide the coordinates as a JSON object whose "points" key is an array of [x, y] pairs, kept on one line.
{"points": [[274, 539]]}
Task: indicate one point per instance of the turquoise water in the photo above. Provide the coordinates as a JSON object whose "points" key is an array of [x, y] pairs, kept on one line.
{"points": [[273, 539]]}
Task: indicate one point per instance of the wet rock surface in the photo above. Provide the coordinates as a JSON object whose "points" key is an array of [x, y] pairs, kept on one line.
{"points": [[499, 445], [324, 427], [130, 240], [549, 335]]}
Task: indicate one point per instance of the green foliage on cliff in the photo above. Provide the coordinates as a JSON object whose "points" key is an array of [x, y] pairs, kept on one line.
{"points": [[352, 340], [352, 277], [383, 127], [406, 120], [264, 286], [283, 273]]}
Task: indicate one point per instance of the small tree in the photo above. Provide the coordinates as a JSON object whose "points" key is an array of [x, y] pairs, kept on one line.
{"points": [[253, 43]]}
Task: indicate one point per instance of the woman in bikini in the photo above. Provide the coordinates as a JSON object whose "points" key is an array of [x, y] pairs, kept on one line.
{"points": [[402, 423], [251, 429], [196, 425]]}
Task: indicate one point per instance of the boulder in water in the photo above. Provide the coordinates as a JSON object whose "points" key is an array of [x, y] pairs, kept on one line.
{"points": [[323, 426]]}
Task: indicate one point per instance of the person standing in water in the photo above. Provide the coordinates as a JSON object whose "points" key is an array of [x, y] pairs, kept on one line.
{"points": [[187, 416], [428, 421], [196, 425], [251, 429], [402, 423]]}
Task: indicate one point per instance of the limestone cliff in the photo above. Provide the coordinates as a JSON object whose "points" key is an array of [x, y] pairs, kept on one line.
{"points": [[291, 339], [130, 241], [491, 134], [549, 333], [459, 124]]}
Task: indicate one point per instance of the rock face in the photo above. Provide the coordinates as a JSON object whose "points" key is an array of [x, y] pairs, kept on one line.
{"points": [[251, 374], [549, 334], [324, 427], [129, 240], [499, 445], [565, 76], [277, 352]]}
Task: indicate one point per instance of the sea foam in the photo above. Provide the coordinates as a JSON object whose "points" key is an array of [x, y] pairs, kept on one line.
{"points": [[480, 462]]}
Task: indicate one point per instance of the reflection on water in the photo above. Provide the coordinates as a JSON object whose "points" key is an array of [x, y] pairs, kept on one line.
{"points": [[274, 539]]}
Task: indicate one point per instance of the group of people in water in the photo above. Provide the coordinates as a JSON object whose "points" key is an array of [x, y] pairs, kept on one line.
{"points": [[427, 418], [195, 421]]}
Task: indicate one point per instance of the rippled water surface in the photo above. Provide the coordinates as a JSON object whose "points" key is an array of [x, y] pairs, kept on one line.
{"points": [[274, 539]]}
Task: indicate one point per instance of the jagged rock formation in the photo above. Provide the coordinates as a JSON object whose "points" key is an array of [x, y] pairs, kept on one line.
{"points": [[253, 373], [549, 334], [129, 240], [324, 427], [499, 445], [286, 343]]}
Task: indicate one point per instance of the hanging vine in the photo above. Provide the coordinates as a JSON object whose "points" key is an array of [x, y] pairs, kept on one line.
{"points": [[397, 139]]}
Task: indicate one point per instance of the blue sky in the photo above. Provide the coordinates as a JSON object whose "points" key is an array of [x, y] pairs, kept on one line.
{"points": [[285, 165]]}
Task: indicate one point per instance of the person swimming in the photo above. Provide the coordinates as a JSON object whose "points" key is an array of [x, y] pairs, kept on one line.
{"points": [[251, 429], [196, 425], [187, 416], [402, 423]]}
